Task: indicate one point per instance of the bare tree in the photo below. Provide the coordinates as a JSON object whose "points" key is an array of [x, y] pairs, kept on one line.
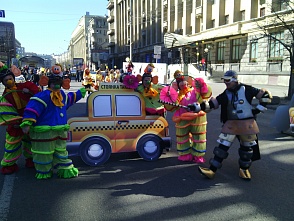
{"points": [[281, 20]]}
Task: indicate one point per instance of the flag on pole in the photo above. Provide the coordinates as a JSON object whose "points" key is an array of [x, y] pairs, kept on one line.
{"points": [[2, 14]]}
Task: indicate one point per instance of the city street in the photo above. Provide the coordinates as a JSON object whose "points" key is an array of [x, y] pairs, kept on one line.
{"points": [[127, 188]]}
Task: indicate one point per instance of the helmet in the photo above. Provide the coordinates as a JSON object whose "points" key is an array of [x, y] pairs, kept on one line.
{"points": [[230, 75]]}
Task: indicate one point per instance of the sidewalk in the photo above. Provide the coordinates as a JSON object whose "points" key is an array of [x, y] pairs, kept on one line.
{"points": [[278, 92]]}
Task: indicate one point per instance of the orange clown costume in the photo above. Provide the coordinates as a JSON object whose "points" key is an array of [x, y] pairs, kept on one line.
{"points": [[88, 81], [190, 126]]}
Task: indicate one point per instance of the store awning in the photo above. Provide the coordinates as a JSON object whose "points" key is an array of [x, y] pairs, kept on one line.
{"points": [[32, 58], [172, 40]]}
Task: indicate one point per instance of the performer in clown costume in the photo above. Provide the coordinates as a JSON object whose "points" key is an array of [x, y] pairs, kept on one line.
{"points": [[190, 126], [238, 118], [17, 95], [88, 81], [46, 120], [150, 89]]}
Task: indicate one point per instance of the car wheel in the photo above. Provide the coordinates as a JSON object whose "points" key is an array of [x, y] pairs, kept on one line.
{"points": [[149, 147], [95, 151]]}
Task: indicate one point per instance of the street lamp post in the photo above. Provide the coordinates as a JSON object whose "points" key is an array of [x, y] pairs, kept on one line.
{"points": [[206, 50], [131, 32]]}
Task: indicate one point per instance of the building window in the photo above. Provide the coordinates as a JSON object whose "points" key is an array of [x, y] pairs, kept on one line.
{"points": [[221, 52], [262, 12], [276, 49], [243, 15], [213, 23], [236, 50], [227, 19], [279, 5], [253, 50]]}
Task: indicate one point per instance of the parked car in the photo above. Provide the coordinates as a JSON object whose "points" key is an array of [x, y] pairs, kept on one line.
{"points": [[73, 72], [116, 121]]}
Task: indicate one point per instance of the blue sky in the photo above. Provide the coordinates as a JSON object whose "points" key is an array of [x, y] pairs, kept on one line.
{"points": [[45, 27]]}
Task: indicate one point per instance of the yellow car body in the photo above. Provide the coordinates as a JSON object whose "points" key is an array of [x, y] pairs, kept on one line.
{"points": [[116, 122]]}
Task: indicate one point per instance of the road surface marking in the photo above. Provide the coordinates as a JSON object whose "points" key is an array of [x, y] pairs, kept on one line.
{"points": [[6, 195]]}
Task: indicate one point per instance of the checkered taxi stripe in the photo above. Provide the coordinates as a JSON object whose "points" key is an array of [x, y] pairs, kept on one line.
{"points": [[122, 127]]}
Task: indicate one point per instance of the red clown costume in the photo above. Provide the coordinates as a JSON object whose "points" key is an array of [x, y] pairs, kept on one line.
{"points": [[16, 95]]}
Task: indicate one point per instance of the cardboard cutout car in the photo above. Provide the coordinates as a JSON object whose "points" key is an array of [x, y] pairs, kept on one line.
{"points": [[281, 119], [116, 122]]}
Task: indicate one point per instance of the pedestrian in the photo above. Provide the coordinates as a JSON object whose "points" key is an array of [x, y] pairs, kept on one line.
{"points": [[17, 95], [130, 68], [78, 75], [36, 77], [203, 62], [66, 74], [108, 76], [45, 119], [116, 76], [238, 118], [99, 78], [190, 127], [25, 73]]}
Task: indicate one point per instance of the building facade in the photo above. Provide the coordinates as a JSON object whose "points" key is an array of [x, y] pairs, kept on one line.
{"points": [[7, 42], [89, 42], [226, 34]]}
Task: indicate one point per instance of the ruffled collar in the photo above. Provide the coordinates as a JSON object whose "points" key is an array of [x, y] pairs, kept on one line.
{"points": [[56, 97], [150, 92]]}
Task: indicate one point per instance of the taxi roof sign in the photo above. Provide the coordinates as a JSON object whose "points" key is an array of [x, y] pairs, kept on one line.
{"points": [[113, 86]]}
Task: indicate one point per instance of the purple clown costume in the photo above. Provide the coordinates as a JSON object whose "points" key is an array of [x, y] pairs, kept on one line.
{"points": [[45, 115]]}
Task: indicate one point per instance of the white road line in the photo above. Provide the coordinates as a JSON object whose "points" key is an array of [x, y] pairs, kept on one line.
{"points": [[6, 195]]}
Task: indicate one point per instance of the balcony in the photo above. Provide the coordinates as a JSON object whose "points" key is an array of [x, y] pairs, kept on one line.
{"points": [[110, 5], [164, 24], [110, 19], [111, 44], [110, 32], [198, 12], [179, 31], [164, 3], [143, 32]]}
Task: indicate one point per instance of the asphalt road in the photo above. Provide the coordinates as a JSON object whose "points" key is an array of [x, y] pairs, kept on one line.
{"points": [[128, 188]]}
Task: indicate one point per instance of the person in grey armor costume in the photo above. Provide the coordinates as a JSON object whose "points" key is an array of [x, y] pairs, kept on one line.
{"points": [[238, 118]]}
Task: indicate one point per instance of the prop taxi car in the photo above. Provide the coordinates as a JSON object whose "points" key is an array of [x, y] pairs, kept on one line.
{"points": [[116, 122], [281, 118]]}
